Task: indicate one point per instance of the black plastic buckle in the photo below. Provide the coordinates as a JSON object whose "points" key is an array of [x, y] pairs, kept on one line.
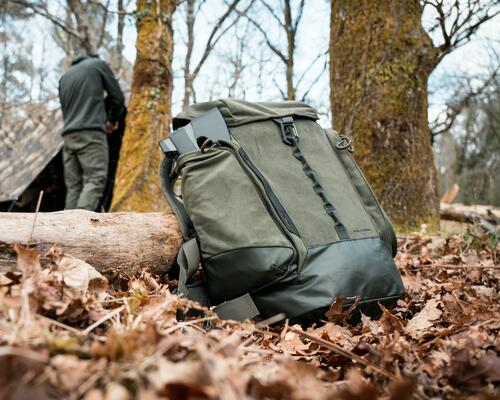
{"points": [[345, 143], [288, 130]]}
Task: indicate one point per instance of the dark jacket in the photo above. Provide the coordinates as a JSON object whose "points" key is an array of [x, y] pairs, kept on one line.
{"points": [[81, 92]]}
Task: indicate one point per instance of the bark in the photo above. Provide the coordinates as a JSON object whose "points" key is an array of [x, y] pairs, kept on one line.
{"points": [[83, 25], [137, 186], [118, 59], [112, 243], [380, 61], [290, 40], [215, 35], [188, 78]]}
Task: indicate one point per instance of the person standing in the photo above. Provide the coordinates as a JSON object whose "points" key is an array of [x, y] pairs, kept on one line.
{"points": [[86, 123]]}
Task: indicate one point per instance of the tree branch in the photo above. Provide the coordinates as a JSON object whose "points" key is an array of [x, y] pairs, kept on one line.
{"points": [[455, 109], [37, 9], [271, 11], [213, 38], [459, 21], [273, 48]]}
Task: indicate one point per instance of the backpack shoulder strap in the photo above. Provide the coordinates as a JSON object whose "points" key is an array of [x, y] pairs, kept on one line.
{"points": [[167, 181]]}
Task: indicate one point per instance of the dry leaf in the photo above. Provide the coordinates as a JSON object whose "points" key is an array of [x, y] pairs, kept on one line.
{"points": [[141, 350], [28, 261], [417, 326], [76, 273]]}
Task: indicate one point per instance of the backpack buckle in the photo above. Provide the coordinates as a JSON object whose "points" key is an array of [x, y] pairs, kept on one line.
{"points": [[288, 130], [345, 143]]}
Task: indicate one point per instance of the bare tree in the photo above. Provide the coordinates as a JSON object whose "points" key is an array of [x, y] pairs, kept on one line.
{"points": [[193, 8], [289, 24], [17, 72], [456, 22], [453, 25], [466, 92], [79, 26]]}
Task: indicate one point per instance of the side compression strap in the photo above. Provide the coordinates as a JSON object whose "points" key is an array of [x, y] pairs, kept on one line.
{"points": [[239, 309], [291, 137], [188, 260]]}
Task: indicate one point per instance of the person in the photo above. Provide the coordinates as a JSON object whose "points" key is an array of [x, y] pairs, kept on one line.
{"points": [[86, 123]]}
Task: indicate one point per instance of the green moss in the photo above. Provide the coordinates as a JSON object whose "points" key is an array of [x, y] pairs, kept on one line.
{"points": [[380, 62], [137, 185]]}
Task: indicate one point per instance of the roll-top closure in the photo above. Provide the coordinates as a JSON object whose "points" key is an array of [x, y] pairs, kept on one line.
{"points": [[240, 112]]}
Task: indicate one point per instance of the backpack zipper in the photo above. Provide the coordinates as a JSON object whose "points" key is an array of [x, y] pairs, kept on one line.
{"points": [[271, 201], [278, 207]]}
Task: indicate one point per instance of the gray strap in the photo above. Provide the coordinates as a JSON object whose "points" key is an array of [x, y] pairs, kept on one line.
{"points": [[239, 309], [198, 292], [188, 260], [167, 182]]}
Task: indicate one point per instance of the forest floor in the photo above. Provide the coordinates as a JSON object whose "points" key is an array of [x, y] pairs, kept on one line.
{"points": [[66, 334]]}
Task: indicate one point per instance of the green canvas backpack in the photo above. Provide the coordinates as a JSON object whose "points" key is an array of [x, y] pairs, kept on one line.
{"points": [[280, 217]]}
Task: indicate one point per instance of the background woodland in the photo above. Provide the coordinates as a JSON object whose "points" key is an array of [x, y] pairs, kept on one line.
{"points": [[373, 71], [415, 84]]}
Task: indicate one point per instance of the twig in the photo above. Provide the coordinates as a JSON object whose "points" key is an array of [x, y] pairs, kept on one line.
{"points": [[87, 385], [121, 299], [349, 354], [60, 324], [103, 319], [76, 331], [191, 324], [452, 266], [258, 350], [38, 204], [16, 351], [271, 320], [346, 353]]}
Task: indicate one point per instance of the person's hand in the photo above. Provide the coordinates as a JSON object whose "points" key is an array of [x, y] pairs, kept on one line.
{"points": [[110, 127]]}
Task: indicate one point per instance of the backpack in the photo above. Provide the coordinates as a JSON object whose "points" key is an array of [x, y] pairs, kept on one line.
{"points": [[279, 215]]}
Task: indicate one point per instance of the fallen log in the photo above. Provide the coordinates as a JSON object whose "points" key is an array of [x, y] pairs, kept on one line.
{"points": [[470, 214], [113, 243]]}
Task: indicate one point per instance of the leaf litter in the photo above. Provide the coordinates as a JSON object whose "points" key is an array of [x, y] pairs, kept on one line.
{"points": [[66, 333]]}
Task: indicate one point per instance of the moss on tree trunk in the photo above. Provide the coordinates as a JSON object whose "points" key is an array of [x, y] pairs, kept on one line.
{"points": [[137, 186], [380, 60]]}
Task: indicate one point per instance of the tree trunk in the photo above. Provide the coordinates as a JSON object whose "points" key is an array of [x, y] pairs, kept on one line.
{"points": [[137, 186], [188, 77], [380, 60], [112, 243], [118, 49], [290, 39]]}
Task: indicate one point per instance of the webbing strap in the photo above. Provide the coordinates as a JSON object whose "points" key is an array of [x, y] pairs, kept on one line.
{"points": [[239, 309], [291, 137], [188, 260]]}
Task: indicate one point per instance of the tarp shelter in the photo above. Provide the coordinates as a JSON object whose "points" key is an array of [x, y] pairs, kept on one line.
{"points": [[26, 148]]}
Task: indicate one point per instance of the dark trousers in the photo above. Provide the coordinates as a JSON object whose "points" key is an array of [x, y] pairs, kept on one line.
{"points": [[85, 157]]}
